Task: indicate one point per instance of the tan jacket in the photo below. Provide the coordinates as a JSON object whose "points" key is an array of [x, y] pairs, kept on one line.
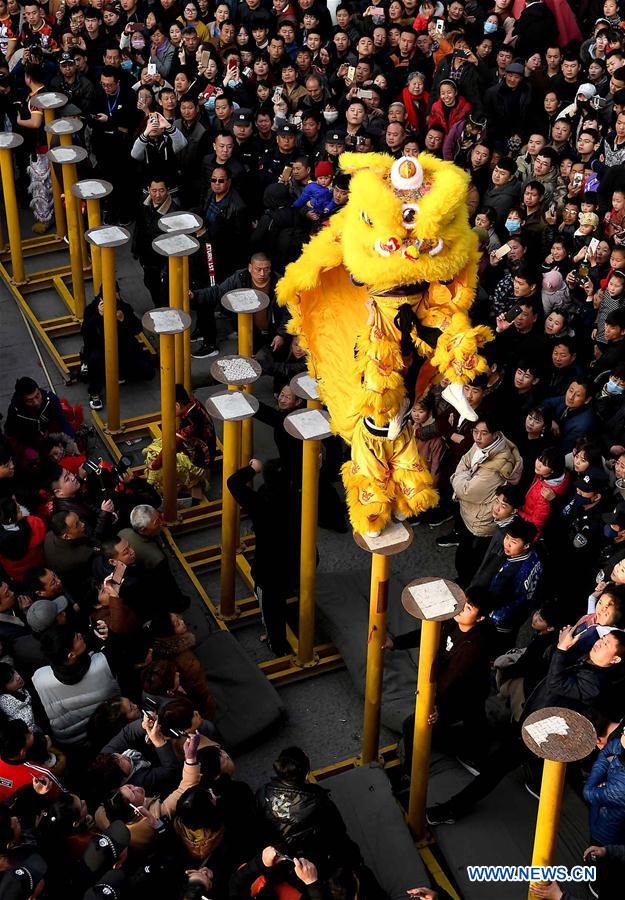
{"points": [[475, 484], [141, 832]]}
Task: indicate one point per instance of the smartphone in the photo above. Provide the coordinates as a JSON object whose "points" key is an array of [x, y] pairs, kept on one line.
{"points": [[151, 68], [204, 58], [439, 27], [138, 812], [592, 246], [578, 179], [502, 251], [512, 313], [136, 26], [377, 11], [286, 172], [119, 570], [351, 73], [233, 62], [247, 71], [364, 94]]}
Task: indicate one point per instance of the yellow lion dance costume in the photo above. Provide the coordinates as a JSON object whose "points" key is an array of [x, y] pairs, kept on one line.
{"points": [[393, 272]]}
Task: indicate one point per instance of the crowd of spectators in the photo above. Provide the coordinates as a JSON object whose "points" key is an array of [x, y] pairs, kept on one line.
{"points": [[114, 781], [240, 112]]}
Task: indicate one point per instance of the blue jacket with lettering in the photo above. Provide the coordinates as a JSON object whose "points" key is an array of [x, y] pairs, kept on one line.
{"points": [[513, 589]]}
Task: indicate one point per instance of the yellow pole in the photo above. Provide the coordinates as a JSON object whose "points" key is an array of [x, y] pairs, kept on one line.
{"points": [[547, 821], [378, 614], [74, 225], [94, 219], [426, 695], [308, 552], [12, 214], [229, 520], [111, 358], [175, 301], [186, 337], [245, 327], [2, 239], [168, 426], [49, 116]]}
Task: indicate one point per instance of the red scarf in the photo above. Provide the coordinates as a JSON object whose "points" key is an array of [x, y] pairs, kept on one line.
{"points": [[415, 110]]}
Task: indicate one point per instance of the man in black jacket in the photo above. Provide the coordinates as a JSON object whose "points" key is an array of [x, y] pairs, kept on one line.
{"points": [[157, 203], [302, 815], [114, 112], [462, 678], [275, 568], [227, 223], [572, 685], [269, 324]]}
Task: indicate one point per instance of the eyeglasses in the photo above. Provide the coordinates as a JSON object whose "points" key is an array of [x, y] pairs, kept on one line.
{"points": [[218, 180]]}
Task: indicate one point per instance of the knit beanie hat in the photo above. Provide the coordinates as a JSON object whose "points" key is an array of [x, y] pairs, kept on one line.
{"points": [[324, 168]]}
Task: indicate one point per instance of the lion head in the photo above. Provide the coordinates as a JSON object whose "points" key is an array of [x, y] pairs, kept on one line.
{"points": [[406, 221]]}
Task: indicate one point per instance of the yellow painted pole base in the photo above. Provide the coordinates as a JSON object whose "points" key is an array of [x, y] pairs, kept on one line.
{"points": [[426, 694]]}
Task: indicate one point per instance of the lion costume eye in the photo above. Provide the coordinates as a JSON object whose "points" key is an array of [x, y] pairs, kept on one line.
{"points": [[365, 218], [409, 213]]}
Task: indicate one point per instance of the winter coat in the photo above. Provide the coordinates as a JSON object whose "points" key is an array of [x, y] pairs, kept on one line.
{"points": [[70, 706], [505, 108], [146, 229], [605, 792], [536, 508], [573, 685], [141, 832], [92, 329], [536, 30], [457, 113], [512, 590], [575, 424], [27, 428], [502, 198], [475, 485], [180, 649], [21, 546], [304, 817]]}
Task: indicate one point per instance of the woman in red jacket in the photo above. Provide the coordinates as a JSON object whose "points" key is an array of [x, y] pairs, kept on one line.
{"points": [[550, 482], [21, 540], [450, 108]]}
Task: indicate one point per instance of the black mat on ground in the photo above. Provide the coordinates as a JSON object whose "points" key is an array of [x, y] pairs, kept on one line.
{"points": [[500, 831], [247, 704], [376, 823], [343, 604]]}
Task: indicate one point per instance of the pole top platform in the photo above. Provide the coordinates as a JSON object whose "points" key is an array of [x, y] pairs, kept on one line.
{"points": [[175, 245], [92, 189], [561, 735], [308, 424], [232, 406], [180, 222], [49, 100], [107, 235], [304, 386], [10, 141], [236, 370], [395, 538], [67, 155], [69, 125], [433, 599], [165, 320], [245, 300]]}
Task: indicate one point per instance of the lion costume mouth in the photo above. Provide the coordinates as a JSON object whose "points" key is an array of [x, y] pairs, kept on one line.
{"points": [[410, 248]]}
